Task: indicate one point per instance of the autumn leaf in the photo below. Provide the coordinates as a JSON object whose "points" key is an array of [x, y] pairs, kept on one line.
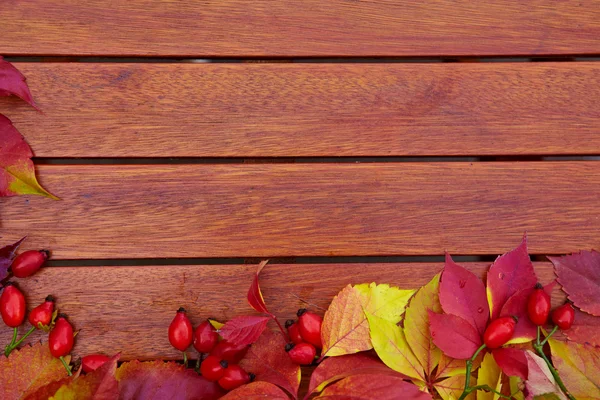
{"points": [[216, 324], [452, 387], [456, 337], [385, 301], [578, 366], [44, 392], [449, 366], [335, 368], [255, 297], [516, 387], [157, 380], [512, 361], [381, 387], [17, 173], [511, 272], [28, 369], [7, 255], [268, 360], [256, 391], [243, 330], [97, 385], [391, 346], [579, 275], [12, 82], [540, 380], [585, 329], [489, 374], [463, 294]]}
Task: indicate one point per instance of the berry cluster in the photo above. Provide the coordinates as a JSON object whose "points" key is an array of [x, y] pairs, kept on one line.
{"points": [[538, 310], [305, 336]]}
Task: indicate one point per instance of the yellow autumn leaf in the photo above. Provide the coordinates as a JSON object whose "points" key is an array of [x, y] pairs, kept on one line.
{"points": [[489, 374], [385, 301], [216, 324], [451, 367], [452, 388], [392, 348], [416, 325], [578, 366], [516, 387]]}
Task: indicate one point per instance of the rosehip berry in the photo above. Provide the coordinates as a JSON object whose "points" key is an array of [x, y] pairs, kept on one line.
{"points": [[181, 331], [205, 337], [93, 362], [60, 339], [28, 263], [42, 314], [301, 353], [499, 331], [538, 305], [564, 316], [293, 331], [228, 351], [12, 305], [213, 368], [234, 377], [309, 325]]}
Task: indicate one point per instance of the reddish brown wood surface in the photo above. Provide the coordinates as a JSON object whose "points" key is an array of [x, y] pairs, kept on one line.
{"points": [[128, 309], [275, 110], [235, 28], [266, 210]]}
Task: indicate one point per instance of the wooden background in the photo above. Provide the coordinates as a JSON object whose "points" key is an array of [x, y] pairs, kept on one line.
{"points": [[181, 161]]}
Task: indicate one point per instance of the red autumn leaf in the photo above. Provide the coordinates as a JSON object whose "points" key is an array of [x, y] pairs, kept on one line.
{"points": [[7, 254], [157, 380], [456, 337], [579, 275], [17, 173], [12, 82], [98, 384], [335, 368], [512, 361], [463, 294], [268, 360], [255, 297], [243, 330], [381, 387], [256, 391], [585, 329], [511, 272], [45, 392]]}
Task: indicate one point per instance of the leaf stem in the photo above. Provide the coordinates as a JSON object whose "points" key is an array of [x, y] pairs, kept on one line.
{"points": [[283, 331], [62, 359], [468, 389], [547, 337], [539, 347], [14, 338], [14, 344]]}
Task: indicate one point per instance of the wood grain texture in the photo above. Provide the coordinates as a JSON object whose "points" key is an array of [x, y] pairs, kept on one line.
{"points": [[268, 210], [230, 28], [128, 309], [275, 110]]}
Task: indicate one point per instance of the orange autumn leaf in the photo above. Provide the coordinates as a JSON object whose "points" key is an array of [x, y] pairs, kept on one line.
{"points": [[98, 384], [256, 391], [452, 387], [578, 366], [381, 387]]}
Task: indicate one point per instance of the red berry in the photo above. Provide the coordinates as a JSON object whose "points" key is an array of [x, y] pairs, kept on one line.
{"points": [[309, 325], [213, 368], [60, 339], [205, 337], [564, 316], [538, 306], [235, 377], [28, 263], [228, 351], [499, 331], [293, 331], [12, 305], [301, 353], [42, 314], [93, 362], [181, 331]]}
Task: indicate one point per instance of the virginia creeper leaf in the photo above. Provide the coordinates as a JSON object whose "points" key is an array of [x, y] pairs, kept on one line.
{"points": [[268, 360], [335, 368], [449, 366], [540, 380], [489, 374], [511, 272], [17, 173], [46, 391], [416, 325], [28, 369], [256, 391], [97, 385], [7, 255], [579, 275], [385, 301], [243, 330], [255, 297], [12, 82], [512, 361], [456, 337], [585, 329], [463, 294], [393, 349], [452, 388], [158, 380], [381, 387], [578, 366]]}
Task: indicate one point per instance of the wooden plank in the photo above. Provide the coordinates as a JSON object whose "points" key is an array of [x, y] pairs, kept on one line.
{"points": [[267, 210], [232, 28], [274, 110], [128, 309]]}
